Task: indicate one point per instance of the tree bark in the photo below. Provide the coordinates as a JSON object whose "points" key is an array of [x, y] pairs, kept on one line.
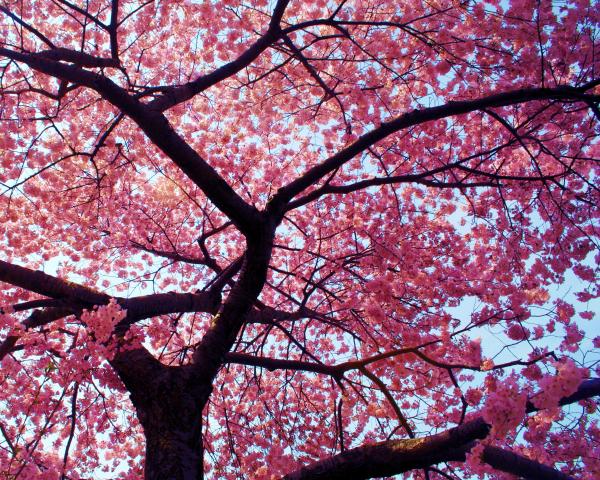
{"points": [[173, 441], [169, 406], [395, 456]]}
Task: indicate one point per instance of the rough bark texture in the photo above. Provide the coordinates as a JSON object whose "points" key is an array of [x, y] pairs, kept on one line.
{"points": [[394, 457], [169, 405]]}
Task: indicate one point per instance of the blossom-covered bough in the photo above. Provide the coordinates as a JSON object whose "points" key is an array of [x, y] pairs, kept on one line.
{"points": [[298, 239]]}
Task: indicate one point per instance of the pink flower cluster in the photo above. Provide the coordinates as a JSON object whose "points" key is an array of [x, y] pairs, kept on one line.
{"points": [[505, 406], [102, 320], [474, 460], [564, 383], [517, 332]]}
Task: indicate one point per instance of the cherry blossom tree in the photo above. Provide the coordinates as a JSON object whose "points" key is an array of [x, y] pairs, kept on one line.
{"points": [[299, 239]]}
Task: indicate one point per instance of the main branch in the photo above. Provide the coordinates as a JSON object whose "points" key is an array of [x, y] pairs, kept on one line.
{"points": [[157, 128], [394, 457], [311, 177]]}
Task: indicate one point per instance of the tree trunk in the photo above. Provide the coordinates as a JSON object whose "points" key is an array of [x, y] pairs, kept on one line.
{"points": [[169, 403], [172, 422], [172, 453]]}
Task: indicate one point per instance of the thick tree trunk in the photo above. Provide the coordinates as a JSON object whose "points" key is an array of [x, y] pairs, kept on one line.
{"points": [[172, 422], [169, 403], [172, 453], [169, 400]]}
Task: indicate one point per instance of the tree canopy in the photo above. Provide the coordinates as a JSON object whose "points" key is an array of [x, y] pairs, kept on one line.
{"points": [[299, 239]]}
